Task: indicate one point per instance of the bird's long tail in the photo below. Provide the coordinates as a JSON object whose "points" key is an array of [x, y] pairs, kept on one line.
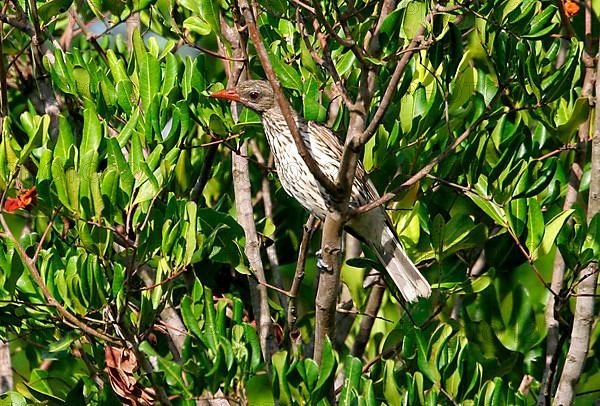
{"points": [[376, 231]]}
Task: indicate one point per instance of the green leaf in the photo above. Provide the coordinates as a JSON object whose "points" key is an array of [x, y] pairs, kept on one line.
{"points": [[437, 233], [209, 320], [92, 132], [37, 130], [313, 110], [59, 181], [309, 371], [390, 386], [407, 115], [65, 138], [539, 23], [552, 229], [125, 94], [149, 80], [287, 75], [426, 364], [517, 210], [197, 25], [592, 238], [259, 392], [535, 225], [209, 11], [352, 374], [490, 208], [172, 370], [252, 339], [53, 8], [508, 7], [580, 113], [117, 67], [282, 386], [560, 82], [326, 372], [12, 399], [414, 17], [463, 87], [82, 82], [516, 327], [87, 168]]}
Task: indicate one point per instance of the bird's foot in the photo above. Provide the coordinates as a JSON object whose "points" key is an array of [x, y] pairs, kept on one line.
{"points": [[322, 266]]}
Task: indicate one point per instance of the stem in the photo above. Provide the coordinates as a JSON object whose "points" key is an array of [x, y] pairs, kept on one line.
{"points": [[245, 216], [309, 230], [584, 307]]}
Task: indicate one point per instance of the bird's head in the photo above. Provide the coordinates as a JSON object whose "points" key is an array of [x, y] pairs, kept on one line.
{"points": [[255, 94]]}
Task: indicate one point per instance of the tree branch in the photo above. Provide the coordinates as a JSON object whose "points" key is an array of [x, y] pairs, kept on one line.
{"points": [[584, 308], [245, 216], [21, 26], [366, 324], [268, 207]]}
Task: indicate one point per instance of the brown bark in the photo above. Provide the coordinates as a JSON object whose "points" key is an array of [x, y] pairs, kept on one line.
{"points": [[584, 309]]}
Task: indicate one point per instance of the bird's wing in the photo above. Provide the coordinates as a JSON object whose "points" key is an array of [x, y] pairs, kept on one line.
{"points": [[335, 146]]}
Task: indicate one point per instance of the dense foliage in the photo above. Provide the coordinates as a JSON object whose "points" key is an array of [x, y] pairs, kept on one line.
{"points": [[128, 279]]}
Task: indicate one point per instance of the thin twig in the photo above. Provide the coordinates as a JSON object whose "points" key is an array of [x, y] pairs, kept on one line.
{"points": [[429, 167], [366, 324], [67, 316], [20, 25], [309, 230]]}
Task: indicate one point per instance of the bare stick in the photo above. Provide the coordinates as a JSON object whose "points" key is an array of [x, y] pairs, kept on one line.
{"points": [[21, 26], [268, 206], [6, 373], [584, 308], [309, 230], [366, 324], [552, 321], [329, 281], [245, 216]]}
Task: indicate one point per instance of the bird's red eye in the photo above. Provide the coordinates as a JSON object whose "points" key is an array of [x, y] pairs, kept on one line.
{"points": [[254, 95]]}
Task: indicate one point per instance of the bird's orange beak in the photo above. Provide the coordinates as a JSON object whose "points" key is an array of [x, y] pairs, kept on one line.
{"points": [[228, 94]]}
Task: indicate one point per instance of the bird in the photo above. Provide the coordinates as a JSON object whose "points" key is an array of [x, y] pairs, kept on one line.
{"points": [[373, 227]]}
